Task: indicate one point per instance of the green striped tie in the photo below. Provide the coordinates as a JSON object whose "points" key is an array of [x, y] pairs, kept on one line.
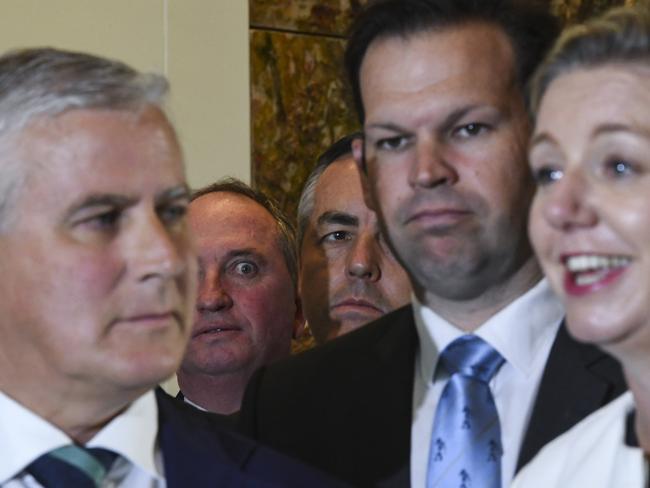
{"points": [[72, 466]]}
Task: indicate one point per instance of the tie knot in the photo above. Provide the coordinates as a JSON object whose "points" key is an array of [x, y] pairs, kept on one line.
{"points": [[471, 356], [72, 465]]}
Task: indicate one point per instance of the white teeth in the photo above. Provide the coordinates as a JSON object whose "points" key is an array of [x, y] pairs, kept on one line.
{"points": [[589, 278], [577, 264]]}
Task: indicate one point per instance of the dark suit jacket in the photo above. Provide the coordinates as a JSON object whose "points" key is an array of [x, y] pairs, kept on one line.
{"points": [[346, 406], [197, 453]]}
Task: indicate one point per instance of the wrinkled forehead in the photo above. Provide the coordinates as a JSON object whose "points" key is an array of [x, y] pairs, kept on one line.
{"points": [[339, 190], [226, 219], [473, 56], [97, 151]]}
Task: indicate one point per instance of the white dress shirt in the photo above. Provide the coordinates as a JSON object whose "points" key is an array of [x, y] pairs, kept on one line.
{"points": [[523, 334], [592, 454], [24, 436]]}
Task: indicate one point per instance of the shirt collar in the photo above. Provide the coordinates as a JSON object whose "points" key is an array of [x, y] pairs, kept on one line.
{"points": [[131, 434], [538, 313]]}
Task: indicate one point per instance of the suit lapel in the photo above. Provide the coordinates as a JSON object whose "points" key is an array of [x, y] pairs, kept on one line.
{"points": [[577, 380], [395, 356], [193, 452]]}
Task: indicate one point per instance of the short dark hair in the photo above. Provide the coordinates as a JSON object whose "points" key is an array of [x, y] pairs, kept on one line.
{"points": [[336, 151], [286, 230], [528, 24], [620, 36]]}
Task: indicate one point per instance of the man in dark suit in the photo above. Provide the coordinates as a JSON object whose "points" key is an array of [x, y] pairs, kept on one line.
{"points": [[99, 278], [439, 85]]}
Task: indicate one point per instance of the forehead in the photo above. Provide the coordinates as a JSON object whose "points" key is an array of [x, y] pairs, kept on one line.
{"points": [[616, 94], [100, 151], [223, 221], [339, 189], [470, 63]]}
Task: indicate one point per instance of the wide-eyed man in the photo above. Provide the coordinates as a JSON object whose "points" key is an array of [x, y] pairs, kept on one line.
{"points": [[98, 284], [348, 274], [468, 382], [247, 307]]}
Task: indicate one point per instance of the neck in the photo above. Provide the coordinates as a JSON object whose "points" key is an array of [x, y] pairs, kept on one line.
{"points": [[79, 413], [216, 393], [468, 315]]}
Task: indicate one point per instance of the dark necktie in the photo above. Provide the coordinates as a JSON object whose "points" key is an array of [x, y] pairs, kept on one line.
{"points": [[465, 447], [72, 467]]}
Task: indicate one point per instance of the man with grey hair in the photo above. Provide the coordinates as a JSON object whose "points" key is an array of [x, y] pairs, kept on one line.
{"points": [[98, 284], [247, 307], [348, 274]]}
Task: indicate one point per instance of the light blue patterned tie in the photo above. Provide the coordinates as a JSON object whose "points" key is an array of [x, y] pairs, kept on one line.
{"points": [[466, 439]]}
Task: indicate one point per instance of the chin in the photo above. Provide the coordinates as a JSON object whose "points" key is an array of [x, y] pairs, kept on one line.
{"points": [[602, 331]]}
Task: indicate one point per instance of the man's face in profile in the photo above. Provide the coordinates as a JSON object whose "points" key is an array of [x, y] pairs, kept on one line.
{"points": [[348, 275], [98, 267]]}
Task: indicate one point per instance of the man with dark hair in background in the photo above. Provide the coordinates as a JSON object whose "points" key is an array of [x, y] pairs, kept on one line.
{"points": [[348, 275], [466, 384], [247, 307]]}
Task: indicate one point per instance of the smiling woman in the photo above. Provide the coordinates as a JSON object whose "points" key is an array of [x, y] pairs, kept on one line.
{"points": [[590, 226]]}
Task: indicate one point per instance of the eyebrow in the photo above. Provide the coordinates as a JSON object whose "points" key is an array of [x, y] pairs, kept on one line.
{"points": [[601, 130], [613, 127], [449, 121], [333, 217], [101, 200], [539, 139], [174, 193], [124, 201]]}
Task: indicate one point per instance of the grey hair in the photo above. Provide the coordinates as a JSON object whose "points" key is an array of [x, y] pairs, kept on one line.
{"points": [[45, 82], [621, 35], [342, 147]]}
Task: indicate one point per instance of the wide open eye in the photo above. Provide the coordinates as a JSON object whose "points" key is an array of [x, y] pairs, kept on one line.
{"points": [[246, 268]]}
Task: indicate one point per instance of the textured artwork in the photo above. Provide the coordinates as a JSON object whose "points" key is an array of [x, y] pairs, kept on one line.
{"points": [[299, 106], [579, 10], [327, 17]]}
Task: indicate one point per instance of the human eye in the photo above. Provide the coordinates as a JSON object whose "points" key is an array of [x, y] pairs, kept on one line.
{"points": [[336, 236], [394, 143], [246, 268], [472, 129], [104, 220], [619, 168], [173, 212], [546, 175]]}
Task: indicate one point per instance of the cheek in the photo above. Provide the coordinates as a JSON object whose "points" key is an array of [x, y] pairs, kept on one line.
{"points": [[633, 223], [273, 298]]}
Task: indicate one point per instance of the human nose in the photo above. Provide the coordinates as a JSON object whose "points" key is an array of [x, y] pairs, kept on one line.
{"points": [[431, 167], [566, 204], [213, 296], [362, 260], [161, 252]]}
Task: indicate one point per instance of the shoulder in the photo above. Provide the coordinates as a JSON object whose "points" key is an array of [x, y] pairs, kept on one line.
{"points": [[392, 330], [592, 452], [199, 448]]}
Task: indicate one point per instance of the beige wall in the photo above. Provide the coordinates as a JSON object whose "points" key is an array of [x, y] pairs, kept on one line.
{"points": [[201, 45]]}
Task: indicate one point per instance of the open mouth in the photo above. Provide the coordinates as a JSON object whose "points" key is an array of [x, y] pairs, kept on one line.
{"points": [[207, 331], [589, 269]]}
